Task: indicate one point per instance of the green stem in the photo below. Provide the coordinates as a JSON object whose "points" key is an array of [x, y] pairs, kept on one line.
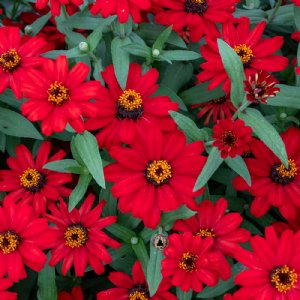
{"points": [[275, 9], [241, 108]]}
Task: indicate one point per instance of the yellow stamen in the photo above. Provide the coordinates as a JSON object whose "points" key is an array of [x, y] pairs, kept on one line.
{"points": [[75, 236], [130, 100], [136, 295], [58, 93], [291, 172], [188, 262], [10, 60], [283, 279], [244, 52], [198, 1], [9, 242], [159, 171], [30, 178], [206, 233]]}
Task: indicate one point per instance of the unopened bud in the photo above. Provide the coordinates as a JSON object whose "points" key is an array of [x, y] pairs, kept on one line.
{"points": [[28, 29], [83, 47], [155, 52], [134, 240], [283, 115]]}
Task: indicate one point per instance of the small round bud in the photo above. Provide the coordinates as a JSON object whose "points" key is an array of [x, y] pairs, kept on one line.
{"points": [[28, 29], [283, 115], [134, 240], [160, 241], [155, 52], [83, 47]]}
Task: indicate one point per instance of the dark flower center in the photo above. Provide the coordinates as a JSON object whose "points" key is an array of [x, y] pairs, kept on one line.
{"points": [[76, 236], [139, 292], [32, 180], [219, 100], [130, 105], [158, 172], [58, 94], [229, 138], [9, 242], [188, 262], [283, 278], [245, 53], [279, 173], [206, 233], [10, 60], [196, 6]]}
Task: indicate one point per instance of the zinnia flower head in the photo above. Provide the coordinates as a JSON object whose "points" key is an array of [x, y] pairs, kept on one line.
{"points": [[135, 287], [122, 8], [260, 86], [122, 112], [195, 17], [55, 5], [79, 239], [231, 137], [190, 261], [75, 294], [58, 96], [255, 53], [156, 174], [273, 267], [18, 57], [211, 221], [28, 181], [272, 183], [5, 283]]}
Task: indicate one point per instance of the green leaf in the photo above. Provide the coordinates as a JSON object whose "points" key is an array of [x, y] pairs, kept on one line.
{"points": [[141, 253], [179, 55], [121, 232], [64, 166], [266, 132], [213, 162], [189, 127], [38, 24], [87, 148], [222, 286], [12, 123], [120, 59], [181, 295], [138, 50], [2, 141], [288, 96], [162, 38], [71, 53], [46, 283], [297, 17], [238, 165], [235, 70], [79, 190]]}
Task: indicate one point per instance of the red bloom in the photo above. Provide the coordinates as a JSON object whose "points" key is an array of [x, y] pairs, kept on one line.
{"points": [[198, 17], [296, 2], [122, 8], [156, 174], [255, 53], [296, 36], [5, 283], [57, 96], [79, 239], [231, 137], [76, 294], [23, 236], [298, 71], [273, 268], [272, 183], [27, 180], [135, 287], [122, 112], [55, 5], [211, 221], [18, 57], [218, 108], [260, 86], [191, 262]]}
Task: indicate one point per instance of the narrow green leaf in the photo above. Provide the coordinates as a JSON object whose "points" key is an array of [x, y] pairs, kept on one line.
{"points": [[266, 132], [141, 253], [235, 70], [87, 148], [238, 165], [79, 22], [297, 17], [120, 59], [288, 96], [121, 232], [213, 162], [179, 55], [162, 38], [64, 166], [2, 141], [181, 295], [71, 53], [79, 190], [138, 50], [9, 98], [12, 123], [38, 24]]}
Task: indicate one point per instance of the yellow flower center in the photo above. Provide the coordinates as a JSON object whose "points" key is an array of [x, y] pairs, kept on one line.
{"points": [[158, 172], [244, 52], [130, 100], [10, 60], [9, 242], [188, 262], [283, 279], [58, 94], [291, 172], [75, 236], [198, 1], [206, 233], [30, 178], [136, 295]]}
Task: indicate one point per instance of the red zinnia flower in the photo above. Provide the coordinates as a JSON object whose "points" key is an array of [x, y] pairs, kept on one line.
{"points": [[5, 283], [55, 5], [122, 112], [298, 71], [191, 262], [296, 2], [18, 56], [198, 17], [255, 54], [272, 183], [57, 96], [134, 288], [260, 86], [122, 8], [273, 268], [23, 236], [79, 239], [27, 180], [211, 221], [296, 36], [76, 294], [232, 138], [156, 174], [219, 108]]}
